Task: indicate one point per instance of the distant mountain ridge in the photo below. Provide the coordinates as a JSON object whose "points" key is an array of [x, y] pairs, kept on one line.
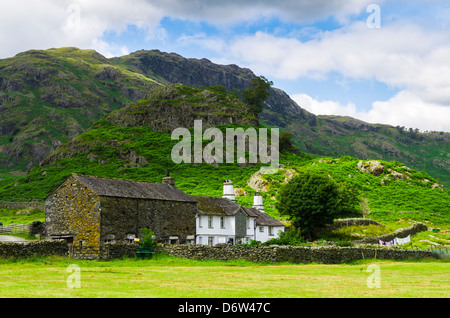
{"points": [[49, 96]]}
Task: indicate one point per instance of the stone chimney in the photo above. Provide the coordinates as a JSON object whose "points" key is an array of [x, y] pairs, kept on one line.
{"points": [[258, 202], [228, 191], [168, 179]]}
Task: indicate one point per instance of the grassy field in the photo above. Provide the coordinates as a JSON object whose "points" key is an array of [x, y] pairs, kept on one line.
{"points": [[167, 277]]}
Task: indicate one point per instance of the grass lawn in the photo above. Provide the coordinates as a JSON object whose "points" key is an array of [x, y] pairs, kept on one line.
{"points": [[167, 277]]}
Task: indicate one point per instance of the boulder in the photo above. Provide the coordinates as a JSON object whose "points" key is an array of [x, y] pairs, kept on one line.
{"points": [[372, 166]]}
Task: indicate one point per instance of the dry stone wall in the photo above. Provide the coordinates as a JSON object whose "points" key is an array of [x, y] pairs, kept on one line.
{"points": [[273, 254], [413, 229], [22, 205], [294, 254], [29, 249]]}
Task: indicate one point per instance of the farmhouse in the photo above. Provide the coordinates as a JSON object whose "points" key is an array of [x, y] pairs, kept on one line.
{"points": [[223, 220], [90, 211]]}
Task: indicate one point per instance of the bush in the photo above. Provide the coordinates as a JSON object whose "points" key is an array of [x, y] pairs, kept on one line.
{"points": [[291, 236], [148, 239]]}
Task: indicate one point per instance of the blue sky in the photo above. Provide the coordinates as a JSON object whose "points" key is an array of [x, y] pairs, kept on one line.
{"points": [[325, 54]]}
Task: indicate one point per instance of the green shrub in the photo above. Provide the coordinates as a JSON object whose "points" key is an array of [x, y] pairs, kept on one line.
{"points": [[291, 236], [148, 239]]}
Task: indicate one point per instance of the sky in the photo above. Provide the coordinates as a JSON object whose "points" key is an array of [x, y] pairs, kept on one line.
{"points": [[380, 61]]}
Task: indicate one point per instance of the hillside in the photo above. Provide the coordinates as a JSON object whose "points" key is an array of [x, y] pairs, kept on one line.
{"points": [[318, 135], [49, 96], [123, 145]]}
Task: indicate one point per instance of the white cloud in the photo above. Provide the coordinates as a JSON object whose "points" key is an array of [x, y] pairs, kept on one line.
{"points": [[403, 109], [409, 110], [327, 107], [54, 23], [231, 11], [402, 56], [405, 56]]}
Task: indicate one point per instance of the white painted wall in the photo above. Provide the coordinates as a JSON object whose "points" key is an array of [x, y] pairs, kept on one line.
{"points": [[211, 231], [265, 233]]}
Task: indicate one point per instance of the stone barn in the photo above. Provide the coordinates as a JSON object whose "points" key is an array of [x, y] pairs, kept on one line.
{"points": [[91, 211]]}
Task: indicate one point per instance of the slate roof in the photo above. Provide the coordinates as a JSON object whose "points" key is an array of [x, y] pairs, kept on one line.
{"points": [[223, 206], [216, 206], [133, 189], [262, 218]]}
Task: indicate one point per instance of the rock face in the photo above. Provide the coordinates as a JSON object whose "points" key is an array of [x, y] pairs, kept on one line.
{"points": [[50, 96], [281, 110], [259, 184], [177, 106], [165, 109]]}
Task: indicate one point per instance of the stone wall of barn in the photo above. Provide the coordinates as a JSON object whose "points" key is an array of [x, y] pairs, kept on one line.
{"points": [[123, 218], [75, 210]]}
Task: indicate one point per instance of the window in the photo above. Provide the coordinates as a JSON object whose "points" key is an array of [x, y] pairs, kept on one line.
{"points": [[261, 229], [210, 221], [222, 222], [130, 238], [211, 241], [271, 230], [200, 221]]}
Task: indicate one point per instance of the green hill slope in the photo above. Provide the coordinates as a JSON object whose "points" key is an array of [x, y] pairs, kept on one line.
{"points": [[123, 145], [50, 96], [47, 97], [318, 135]]}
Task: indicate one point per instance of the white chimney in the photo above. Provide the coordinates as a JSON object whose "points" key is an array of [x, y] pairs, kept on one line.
{"points": [[228, 192], [258, 202]]}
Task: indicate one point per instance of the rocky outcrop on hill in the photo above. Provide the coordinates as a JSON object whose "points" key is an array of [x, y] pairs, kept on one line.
{"points": [[164, 109], [177, 106]]}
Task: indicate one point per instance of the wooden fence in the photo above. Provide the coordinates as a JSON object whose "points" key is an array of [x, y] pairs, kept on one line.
{"points": [[14, 228]]}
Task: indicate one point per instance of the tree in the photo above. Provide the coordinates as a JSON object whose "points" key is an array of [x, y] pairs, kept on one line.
{"points": [[256, 95], [350, 198], [365, 210], [286, 141], [311, 200]]}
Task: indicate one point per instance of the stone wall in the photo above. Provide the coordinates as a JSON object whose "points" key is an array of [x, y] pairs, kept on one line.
{"points": [[22, 205], [413, 229], [119, 250], [295, 254], [74, 210], [337, 224], [122, 217], [29, 249]]}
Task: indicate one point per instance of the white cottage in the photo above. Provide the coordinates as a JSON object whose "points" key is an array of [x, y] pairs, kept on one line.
{"points": [[223, 220]]}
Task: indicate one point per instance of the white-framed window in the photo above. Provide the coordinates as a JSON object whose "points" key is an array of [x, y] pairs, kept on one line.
{"points": [[271, 230], [210, 240], [222, 222], [200, 221], [261, 229], [210, 222]]}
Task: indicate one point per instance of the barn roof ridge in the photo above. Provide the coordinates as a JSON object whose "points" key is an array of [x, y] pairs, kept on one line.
{"points": [[122, 188]]}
